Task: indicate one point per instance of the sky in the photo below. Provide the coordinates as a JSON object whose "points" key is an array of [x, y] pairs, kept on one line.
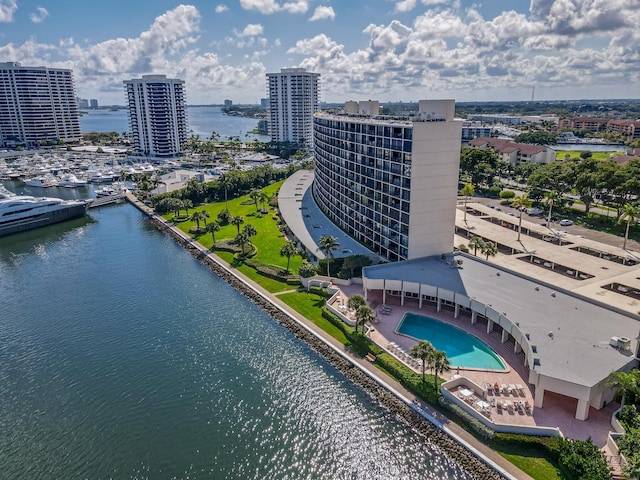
{"points": [[386, 50]]}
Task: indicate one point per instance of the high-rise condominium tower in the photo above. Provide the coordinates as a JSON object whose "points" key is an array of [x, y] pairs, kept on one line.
{"points": [[390, 182], [37, 105], [293, 100], [157, 114]]}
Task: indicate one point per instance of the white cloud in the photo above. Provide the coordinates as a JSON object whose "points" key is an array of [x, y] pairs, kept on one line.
{"points": [[7, 9], [268, 7], [221, 8], [251, 30], [323, 13], [39, 16], [405, 6]]}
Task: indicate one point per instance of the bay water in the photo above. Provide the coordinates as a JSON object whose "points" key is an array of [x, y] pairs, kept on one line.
{"points": [[122, 356]]}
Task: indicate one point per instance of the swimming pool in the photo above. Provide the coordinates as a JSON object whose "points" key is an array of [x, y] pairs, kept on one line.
{"points": [[463, 350]]}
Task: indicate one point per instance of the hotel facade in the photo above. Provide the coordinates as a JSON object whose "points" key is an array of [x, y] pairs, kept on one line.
{"points": [[390, 183], [37, 105], [157, 114], [293, 100]]}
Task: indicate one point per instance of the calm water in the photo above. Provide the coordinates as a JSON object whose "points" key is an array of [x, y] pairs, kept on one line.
{"points": [[123, 357], [463, 350], [202, 121]]}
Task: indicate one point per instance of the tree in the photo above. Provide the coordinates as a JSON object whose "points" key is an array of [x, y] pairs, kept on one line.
{"points": [[354, 262], [440, 365], [255, 196], [489, 249], [327, 245], [356, 302], [186, 205], [423, 351], [537, 138], [242, 238], [237, 221], [478, 162], [630, 214], [250, 231], [212, 228], [467, 191], [626, 382], [226, 182], [197, 217], [476, 243], [521, 202], [288, 250], [364, 314], [551, 198]]}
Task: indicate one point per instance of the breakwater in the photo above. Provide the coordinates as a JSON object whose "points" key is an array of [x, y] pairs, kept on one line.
{"points": [[432, 434]]}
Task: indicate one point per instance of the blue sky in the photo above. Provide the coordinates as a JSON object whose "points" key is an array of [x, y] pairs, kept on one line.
{"points": [[388, 50]]}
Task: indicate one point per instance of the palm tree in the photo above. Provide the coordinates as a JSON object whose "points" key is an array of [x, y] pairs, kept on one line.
{"points": [[626, 382], [237, 221], [187, 204], [255, 197], [242, 239], [467, 191], [489, 249], [328, 244], [204, 214], [521, 202], [630, 214], [288, 250], [264, 198], [250, 230], [197, 217], [552, 198], [476, 243], [212, 228], [440, 364], [364, 314], [355, 302], [225, 182], [423, 351]]}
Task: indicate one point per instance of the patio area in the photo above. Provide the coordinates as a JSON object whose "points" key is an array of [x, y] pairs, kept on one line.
{"points": [[507, 404]]}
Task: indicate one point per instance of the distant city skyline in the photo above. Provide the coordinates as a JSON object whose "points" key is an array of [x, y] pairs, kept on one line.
{"points": [[390, 50]]}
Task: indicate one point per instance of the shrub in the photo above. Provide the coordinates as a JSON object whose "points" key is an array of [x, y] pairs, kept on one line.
{"points": [[307, 270], [581, 459], [480, 428], [507, 194], [630, 417], [494, 191]]}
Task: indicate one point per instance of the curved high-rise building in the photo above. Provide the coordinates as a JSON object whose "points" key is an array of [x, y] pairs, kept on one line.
{"points": [[389, 182]]}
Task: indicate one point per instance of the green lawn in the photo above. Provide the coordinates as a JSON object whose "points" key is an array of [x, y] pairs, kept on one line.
{"points": [[561, 154], [310, 306], [531, 461]]}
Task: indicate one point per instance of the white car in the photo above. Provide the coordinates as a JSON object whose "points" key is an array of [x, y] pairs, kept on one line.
{"points": [[566, 223]]}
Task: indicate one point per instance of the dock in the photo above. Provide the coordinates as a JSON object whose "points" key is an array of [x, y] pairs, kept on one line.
{"points": [[109, 199]]}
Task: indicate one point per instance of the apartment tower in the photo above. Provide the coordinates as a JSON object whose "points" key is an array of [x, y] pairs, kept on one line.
{"points": [[157, 115], [37, 106], [293, 100], [390, 182]]}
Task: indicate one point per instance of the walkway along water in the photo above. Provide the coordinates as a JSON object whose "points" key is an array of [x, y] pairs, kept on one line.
{"points": [[450, 439]]}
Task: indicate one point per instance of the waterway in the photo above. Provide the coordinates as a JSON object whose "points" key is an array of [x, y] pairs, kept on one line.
{"points": [[124, 357], [202, 121]]}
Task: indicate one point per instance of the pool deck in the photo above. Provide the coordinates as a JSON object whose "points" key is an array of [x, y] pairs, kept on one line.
{"points": [[558, 411]]}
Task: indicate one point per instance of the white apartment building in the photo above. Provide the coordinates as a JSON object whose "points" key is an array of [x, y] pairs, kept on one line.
{"points": [[390, 182], [157, 115], [37, 105], [293, 100]]}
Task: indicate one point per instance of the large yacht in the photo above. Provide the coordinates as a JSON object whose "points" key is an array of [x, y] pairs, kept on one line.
{"points": [[19, 213]]}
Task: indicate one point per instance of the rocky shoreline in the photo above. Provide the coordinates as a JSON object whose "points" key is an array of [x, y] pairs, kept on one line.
{"points": [[434, 435]]}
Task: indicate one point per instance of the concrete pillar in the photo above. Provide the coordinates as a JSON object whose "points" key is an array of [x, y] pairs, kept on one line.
{"points": [[402, 293], [489, 326], [505, 335], [517, 348], [438, 304], [456, 312], [420, 296], [582, 411], [537, 402], [384, 296], [474, 317]]}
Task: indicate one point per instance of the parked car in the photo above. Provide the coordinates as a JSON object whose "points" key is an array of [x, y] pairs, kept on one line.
{"points": [[566, 222]]}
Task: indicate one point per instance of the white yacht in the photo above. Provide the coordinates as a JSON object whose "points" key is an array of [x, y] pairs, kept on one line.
{"points": [[69, 180], [42, 182], [19, 213]]}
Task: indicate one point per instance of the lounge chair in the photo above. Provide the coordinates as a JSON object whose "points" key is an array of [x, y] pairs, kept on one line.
{"points": [[520, 389], [504, 389]]}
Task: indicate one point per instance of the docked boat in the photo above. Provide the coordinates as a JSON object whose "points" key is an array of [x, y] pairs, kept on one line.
{"points": [[19, 213], [42, 182], [71, 181]]}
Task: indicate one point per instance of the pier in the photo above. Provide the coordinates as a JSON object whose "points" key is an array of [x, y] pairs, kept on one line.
{"points": [[100, 201]]}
